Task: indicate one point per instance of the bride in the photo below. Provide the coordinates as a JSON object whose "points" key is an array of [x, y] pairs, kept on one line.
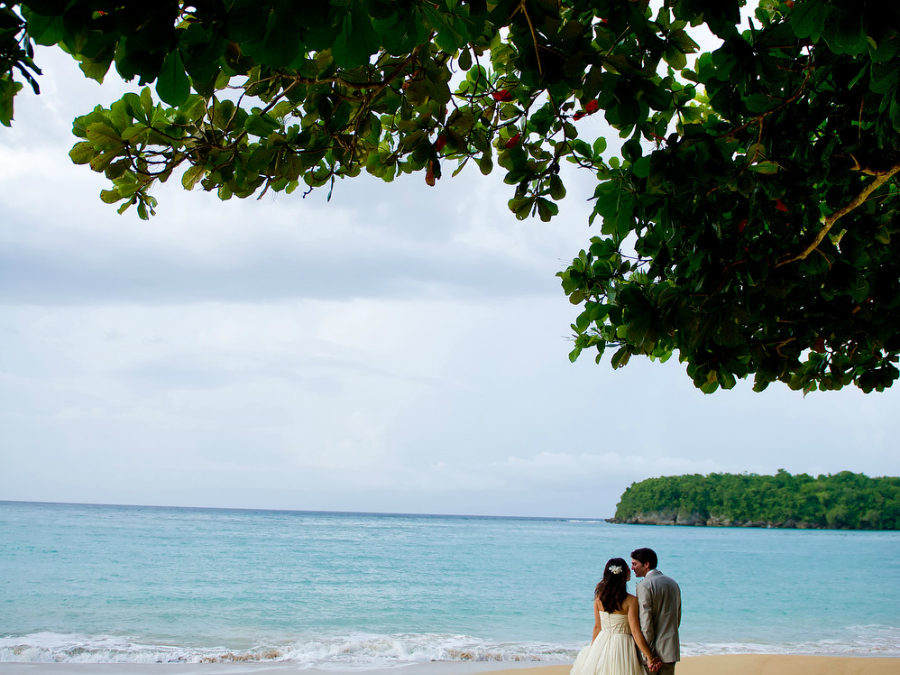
{"points": [[617, 629]]}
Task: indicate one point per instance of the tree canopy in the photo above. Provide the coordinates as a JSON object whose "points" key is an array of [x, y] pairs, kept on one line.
{"points": [[843, 500], [748, 223]]}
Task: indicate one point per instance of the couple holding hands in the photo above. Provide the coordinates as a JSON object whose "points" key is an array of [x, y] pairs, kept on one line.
{"points": [[625, 624]]}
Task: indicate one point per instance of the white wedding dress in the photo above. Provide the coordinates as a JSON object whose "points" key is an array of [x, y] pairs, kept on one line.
{"points": [[613, 652]]}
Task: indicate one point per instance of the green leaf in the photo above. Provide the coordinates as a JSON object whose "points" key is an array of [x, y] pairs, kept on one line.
{"points": [[133, 134], [81, 153], [281, 45], [758, 103], [884, 77], [194, 108], [521, 206], [356, 41], [8, 90], [99, 162], [807, 19], [621, 357], [675, 57], [192, 176], [46, 30], [726, 379], [260, 125], [103, 136], [110, 196], [755, 152], [709, 387], [478, 77], [245, 22], [846, 36], [147, 102], [465, 59], [641, 167], [766, 168], [546, 209], [95, 69], [119, 115], [557, 189], [117, 168], [173, 85]]}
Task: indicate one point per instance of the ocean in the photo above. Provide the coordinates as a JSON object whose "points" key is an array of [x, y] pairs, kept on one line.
{"points": [[135, 584]]}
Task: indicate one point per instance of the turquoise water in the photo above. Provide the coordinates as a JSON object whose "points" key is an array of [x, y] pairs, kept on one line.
{"points": [[147, 584]]}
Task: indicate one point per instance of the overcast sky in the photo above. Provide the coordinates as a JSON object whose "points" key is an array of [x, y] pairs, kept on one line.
{"points": [[401, 348]]}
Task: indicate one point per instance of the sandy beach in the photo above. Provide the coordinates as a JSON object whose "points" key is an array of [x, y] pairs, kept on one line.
{"points": [[730, 664], [760, 664]]}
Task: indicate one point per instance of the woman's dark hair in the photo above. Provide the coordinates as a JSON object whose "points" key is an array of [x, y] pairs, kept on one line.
{"points": [[611, 591]]}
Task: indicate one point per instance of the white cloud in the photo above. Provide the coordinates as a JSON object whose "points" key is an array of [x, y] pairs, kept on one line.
{"points": [[399, 349]]}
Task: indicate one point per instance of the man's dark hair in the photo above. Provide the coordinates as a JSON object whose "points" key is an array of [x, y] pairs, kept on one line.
{"points": [[646, 556]]}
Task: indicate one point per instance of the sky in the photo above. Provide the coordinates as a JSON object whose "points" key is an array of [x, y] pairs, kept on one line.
{"points": [[399, 349]]}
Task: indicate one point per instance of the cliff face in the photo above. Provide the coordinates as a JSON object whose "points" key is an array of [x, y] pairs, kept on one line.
{"points": [[663, 517]]}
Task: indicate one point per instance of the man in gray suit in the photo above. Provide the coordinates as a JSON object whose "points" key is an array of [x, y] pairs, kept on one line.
{"points": [[659, 603]]}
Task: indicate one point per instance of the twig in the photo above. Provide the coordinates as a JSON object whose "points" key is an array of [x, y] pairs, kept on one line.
{"points": [[537, 54]]}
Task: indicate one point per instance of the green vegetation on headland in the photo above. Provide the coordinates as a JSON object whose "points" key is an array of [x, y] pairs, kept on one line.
{"points": [[843, 500]]}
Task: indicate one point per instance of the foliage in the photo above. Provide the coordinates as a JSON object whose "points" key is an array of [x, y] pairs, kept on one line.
{"points": [[16, 54], [748, 225], [843, 500], [765, 228]]}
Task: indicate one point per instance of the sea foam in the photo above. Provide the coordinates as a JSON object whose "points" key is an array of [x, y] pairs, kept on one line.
{"points": [[350, 651], [365, 651]]}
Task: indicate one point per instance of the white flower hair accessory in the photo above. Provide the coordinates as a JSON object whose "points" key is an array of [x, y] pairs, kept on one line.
{"points": [[615, 569]]}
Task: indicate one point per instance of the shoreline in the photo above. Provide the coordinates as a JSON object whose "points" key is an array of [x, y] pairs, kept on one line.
{"points": [[714, 664]]}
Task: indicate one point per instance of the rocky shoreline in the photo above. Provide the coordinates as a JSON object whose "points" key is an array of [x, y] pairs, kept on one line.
{"points": [[698, 520]]}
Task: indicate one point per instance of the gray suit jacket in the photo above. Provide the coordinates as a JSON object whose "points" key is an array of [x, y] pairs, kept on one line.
{"points": [[659, 600]]}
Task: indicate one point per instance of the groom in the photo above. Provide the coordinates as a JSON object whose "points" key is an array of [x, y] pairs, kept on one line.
{"points": [[659, 603]]}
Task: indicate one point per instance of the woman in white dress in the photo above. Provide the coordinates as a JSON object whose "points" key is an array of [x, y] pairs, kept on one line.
{"points": [[617, 629]]}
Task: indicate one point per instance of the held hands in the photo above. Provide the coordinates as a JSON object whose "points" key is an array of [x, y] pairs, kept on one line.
{"points": [[654, 663]]}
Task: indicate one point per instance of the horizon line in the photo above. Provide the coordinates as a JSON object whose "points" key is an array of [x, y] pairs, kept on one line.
{"points": [[309, 511]]}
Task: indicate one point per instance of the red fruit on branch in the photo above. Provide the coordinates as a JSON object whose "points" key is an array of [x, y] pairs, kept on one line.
{"points": [[429, 174], [501, 95], [440, 142], [590, 108], [742, 225], [514, 141], [779, 206]]}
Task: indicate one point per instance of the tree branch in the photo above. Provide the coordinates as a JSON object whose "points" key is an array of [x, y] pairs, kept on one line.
{"points": [[881, 177]]}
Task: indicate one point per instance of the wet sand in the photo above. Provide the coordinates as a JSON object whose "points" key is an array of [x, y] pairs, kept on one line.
{"points": [[730, 664]]}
